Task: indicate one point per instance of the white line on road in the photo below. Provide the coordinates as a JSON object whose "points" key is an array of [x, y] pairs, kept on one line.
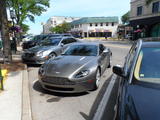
{"points": [[99, 113]]}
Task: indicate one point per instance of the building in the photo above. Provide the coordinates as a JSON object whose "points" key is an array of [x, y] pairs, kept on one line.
{"points": [[145, 19], [57, 20], [95, 26]]}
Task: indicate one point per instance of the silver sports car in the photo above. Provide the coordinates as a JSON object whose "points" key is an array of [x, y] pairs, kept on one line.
{"points": [[47, 49], [78, 69]]}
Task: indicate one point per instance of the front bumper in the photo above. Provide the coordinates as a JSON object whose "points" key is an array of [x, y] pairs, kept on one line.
{"points": [[68, 87], [33, 60]]}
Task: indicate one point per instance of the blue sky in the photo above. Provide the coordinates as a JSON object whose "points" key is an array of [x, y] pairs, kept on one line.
{"points": [[80, 8]]}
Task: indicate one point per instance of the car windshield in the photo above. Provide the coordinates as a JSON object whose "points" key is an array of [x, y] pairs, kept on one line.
{"points": [[148, 66], [51, 42], [81, 50]]}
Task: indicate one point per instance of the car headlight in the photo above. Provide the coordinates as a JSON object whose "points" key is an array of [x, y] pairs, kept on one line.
{"points": [[82, 73], [43, 53], [40, 53]]}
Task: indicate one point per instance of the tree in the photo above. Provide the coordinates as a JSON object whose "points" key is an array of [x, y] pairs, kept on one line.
{"points": [[125, 18], [62, 28], [27, 9], [5, 31]]}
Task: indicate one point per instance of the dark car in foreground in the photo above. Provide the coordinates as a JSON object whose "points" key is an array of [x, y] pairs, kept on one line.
{"points": [[47, 49], [78, 69], [139, 90]]}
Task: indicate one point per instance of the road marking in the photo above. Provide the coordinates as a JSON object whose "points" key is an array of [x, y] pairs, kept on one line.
{"points": [[99, 113]]}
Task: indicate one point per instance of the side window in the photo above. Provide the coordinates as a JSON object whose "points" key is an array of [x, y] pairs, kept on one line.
{"points": [[68, 40], [65, 41], [72, 40], [101, 48]]}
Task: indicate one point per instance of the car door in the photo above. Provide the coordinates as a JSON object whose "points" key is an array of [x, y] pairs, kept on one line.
{"points": [[124, 82]]}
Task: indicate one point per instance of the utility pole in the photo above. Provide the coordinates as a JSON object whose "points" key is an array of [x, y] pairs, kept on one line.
{"points": [[5, 32]]}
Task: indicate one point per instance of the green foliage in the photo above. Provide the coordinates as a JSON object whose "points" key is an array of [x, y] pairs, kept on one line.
{"points": [[125, 18], [27, 9], [63, 28], [25, 28]]}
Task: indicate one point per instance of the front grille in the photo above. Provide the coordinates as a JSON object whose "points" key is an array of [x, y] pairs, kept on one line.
{"points": [[28, 55], [58, 81]]}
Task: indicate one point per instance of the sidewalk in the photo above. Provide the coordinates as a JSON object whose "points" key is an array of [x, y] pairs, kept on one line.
{"points": [[15, 99], [15, 57]]}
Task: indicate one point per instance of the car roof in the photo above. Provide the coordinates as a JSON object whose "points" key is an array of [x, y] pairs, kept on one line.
{"points": [[86, 43], [154, 42]]}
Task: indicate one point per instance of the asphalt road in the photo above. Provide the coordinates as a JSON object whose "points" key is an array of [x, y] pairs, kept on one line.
{"points": [[57, 106]]}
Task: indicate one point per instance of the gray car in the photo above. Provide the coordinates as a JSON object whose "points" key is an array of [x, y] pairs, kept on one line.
{"points": [[47, 49], [78, 69]]}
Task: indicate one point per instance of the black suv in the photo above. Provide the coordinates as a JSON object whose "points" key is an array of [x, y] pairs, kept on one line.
{"points": [[139, 88]]}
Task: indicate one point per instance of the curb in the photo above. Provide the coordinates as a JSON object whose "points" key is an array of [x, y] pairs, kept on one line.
{"points": [[26, 104]]}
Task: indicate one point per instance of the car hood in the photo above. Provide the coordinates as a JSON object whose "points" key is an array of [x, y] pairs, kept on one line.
{"points": [[143, 102], [40, 48], [64, 66]]}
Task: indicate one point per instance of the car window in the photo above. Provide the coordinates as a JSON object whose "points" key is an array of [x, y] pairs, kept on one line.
{"points": [[147, 66], [68, 40], [51, 42], [81, 50]]}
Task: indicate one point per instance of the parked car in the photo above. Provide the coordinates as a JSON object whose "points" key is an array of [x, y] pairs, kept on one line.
{"points": [[139, 90], [39, 38], [78, 69], [47, 49], [33, 42]]}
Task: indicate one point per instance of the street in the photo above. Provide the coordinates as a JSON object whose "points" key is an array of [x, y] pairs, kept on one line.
{"points": [[80, 106]]}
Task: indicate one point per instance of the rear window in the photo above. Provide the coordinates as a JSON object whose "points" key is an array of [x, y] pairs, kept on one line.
{"points": [[148, 65]]}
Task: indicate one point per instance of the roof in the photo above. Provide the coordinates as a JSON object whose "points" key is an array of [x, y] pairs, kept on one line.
{"points": [[95, 20], [86, 43]]}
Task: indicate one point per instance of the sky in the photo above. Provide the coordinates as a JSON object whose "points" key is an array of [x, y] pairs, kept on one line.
{"points": [[80, 8]]}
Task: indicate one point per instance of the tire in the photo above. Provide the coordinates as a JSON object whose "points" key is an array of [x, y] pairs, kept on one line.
{"points": [[51, 55], [97, 81]]}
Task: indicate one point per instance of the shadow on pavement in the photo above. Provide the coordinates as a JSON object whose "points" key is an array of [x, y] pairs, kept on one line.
{"points": [[38, 88], [97, 101], [33, 65]]}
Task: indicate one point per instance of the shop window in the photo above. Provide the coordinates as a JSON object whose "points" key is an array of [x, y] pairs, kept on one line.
{"points": [[139, 10], [156, 7]]}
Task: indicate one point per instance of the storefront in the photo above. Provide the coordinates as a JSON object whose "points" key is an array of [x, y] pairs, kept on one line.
{"points": [[100, 33], [147, 27]]}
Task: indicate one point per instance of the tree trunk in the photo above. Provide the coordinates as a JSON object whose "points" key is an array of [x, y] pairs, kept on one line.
{"points": [[5, 32]]}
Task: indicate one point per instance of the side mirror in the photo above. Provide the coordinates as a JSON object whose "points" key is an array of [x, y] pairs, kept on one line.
{"points": [[105, 51], [61, 44], [118, 70]]}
